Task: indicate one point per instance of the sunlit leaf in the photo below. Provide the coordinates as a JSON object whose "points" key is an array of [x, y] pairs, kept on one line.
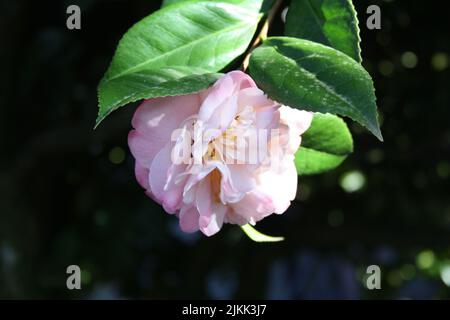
{"points": [[324, 145], [257, 236], [310, 76], [331, 22], [258, 5], [197, 35], [145, 84]]}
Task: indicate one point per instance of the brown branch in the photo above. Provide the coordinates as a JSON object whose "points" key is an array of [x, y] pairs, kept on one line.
{"points": [[262, 34]]}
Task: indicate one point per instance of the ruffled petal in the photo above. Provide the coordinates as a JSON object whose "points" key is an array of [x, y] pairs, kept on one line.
{"points": [[298, 122], [157, 118], [189, 219], [254, 206], [142, 149], [281, 186], [211, 224], [159, 171], [142, 176]]}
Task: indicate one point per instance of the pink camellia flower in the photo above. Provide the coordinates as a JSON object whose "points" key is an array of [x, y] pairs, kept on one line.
{"points": [[223, 155]]}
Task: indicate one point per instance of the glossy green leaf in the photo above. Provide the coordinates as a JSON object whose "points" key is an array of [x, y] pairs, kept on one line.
{"points": [[169, 2], [324, 146], [257, 236], [151, 83], [197, 35], [310, 76], [331, 22], [258, 5]]}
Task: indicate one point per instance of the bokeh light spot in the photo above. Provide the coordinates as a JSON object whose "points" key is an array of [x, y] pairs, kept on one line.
{"points": [[409, 59], [352, 181], [443, 169], [425, 259], [117, 155], [386, 68], [445, 275], [439, 61]]}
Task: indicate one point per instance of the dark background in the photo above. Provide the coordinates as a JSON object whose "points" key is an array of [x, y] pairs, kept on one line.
{"points": [[68, 193]]}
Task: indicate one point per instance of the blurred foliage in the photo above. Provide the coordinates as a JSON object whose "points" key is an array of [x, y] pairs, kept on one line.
{"points": [[68, 193]]}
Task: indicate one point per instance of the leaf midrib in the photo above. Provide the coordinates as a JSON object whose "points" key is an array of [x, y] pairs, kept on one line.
{"points": [[138, 66], [318, 22], [326, 87]]}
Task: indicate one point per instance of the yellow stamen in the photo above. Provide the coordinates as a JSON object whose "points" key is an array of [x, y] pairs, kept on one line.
{"points": [[216, 178]]}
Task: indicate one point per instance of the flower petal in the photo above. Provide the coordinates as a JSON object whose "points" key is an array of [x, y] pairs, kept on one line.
{"points": [[242, 79], [204, 197], [173, 190], [216, 95], [222, 90], [142, 176], [255, 98], [142, 148], [242, 177], [159, 171], [189, 219], [280, 186], [210, 225], [157, 118], [254, 207], [299, 120]]}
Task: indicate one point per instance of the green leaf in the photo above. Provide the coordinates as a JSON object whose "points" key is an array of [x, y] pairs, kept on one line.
{"points": [[257, 236], [169, 2], [331, 22], [258, 5], [151, 83], [197, 35], [310, 76], [324, 145]]}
